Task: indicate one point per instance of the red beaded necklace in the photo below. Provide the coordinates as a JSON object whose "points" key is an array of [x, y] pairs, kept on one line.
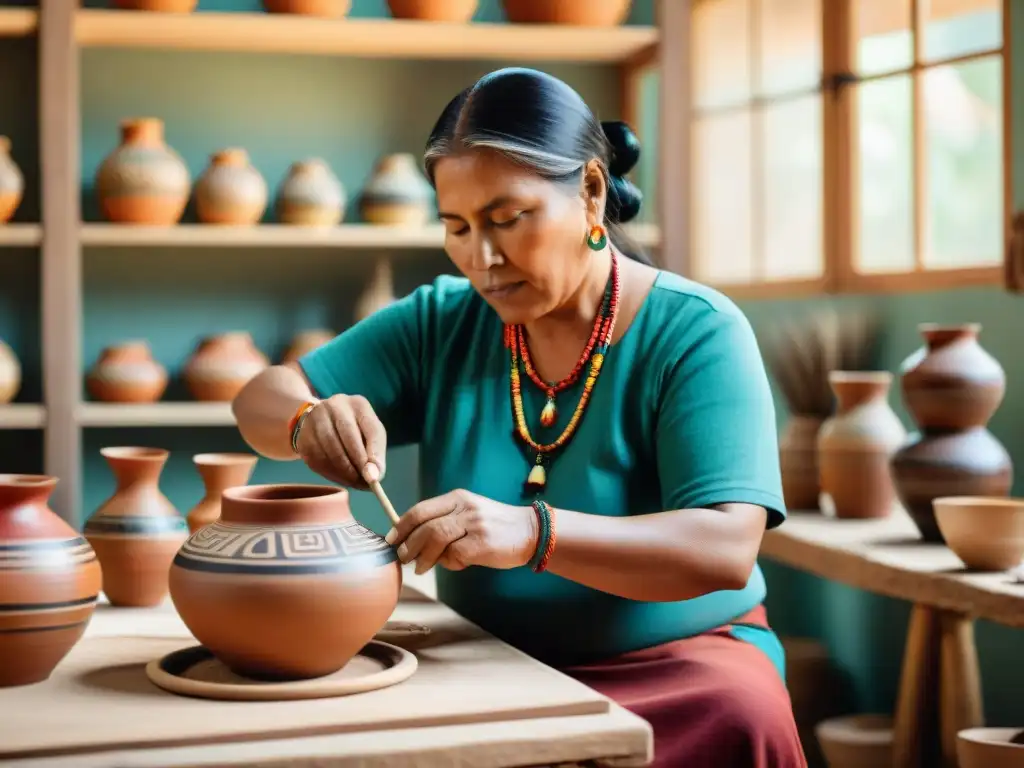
{"points": [[593, 352]]}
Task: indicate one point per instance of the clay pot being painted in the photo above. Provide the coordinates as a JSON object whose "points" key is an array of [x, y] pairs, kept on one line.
{"points": [[51, 580], [10, 374], [143, 181], [127, 373], [455, 11], [306, 341], [12, 182], [222, 365], [230, 190], [582, 13], [326, 8], [397, 193], [286, 585], [219, 472], [162, 6], [311, 195], [137, 531], [798, 461], [855, 445], [379, 293]]}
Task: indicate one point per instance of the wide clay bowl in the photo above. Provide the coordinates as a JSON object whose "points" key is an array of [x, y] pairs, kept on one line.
{"points": [[990, 748], [987, 533], [856, 741], [286, 585]]}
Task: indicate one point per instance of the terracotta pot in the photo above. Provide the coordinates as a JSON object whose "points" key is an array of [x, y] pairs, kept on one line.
{"points": [[583, 13], [397, 193], [163, 6], [219, 472], [990, 748], [310, 195], [143, 181], [51, 580], [137, 530], [12, 182], [306, 341], [456, 11], [230, 190], [857, 741], [222, 365], [798, 460], [286, 585], [10, 374], [379, 293], [127, 373], [328, 8], [855, 445], [987, 534]]}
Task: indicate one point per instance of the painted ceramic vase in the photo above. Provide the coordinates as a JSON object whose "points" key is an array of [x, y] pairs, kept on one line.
{"points": [[306, 341], [10, 374], [581, 13], [855, 445], [326, 8], [397, 193], [163, 6], [379, 293], [143, 181], [12, 182], [50, 584], [311, 195], [127, 373], [286, 585], [454, 11], [222, 365], [137, 531], [798, 461], [230, 190], [219, 471]]}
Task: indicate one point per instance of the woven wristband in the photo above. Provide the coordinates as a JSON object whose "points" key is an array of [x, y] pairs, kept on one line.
{"points": [[552, 540], [544, 534]]}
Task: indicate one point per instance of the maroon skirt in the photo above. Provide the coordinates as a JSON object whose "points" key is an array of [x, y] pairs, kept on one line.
{"points": [[713, 700]]}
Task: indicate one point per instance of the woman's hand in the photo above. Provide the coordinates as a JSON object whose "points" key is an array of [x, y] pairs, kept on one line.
{"points": [[460, 529], [343, 440]]}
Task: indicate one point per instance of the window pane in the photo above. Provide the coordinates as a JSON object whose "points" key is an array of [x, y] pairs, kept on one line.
{"points": [[957, 27], [722, 243], [885, 170], [792, 194], [963, 129], [885, 41], [790, 45], [721, 52]]}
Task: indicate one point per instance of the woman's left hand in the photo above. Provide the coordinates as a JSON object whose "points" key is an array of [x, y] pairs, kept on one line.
{"points": [[460, 529]]}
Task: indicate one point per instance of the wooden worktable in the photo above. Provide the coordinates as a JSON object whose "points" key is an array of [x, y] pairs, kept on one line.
{"points": [[66, 716]]}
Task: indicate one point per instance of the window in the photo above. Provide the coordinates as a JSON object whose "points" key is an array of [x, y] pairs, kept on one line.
{"points": [[846, 144]]}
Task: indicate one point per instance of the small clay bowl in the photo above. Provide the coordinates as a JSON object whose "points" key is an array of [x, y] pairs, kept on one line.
{"points": [[856, 740], [990, 748], [987, 533]]}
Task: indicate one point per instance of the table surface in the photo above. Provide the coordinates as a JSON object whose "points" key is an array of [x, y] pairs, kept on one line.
{"points": [[614, 738]]}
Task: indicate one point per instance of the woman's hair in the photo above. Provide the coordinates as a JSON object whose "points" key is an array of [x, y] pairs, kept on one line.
{"points": [[540, 122]]}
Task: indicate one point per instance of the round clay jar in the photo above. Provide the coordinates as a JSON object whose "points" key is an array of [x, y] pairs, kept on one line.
{"points": [[163, 6], [222, 365], [127, 373], [230, 190], [311, 195], [12, 182], [452, 11], [10, 374], [580, 13], [325, 8]]}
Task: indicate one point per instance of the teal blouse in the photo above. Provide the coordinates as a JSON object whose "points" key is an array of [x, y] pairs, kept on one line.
{"points": [[681, 417]]}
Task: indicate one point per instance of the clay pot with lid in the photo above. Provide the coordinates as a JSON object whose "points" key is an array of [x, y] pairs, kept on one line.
{"points": [[161, 6], [50, 581], [453, 11], [219, 471], [230, 190], [127, 373], [286, 585], [325, 8], [311, 195], [222, 365], [582, 13], [12, 182], [397, 193], [306, 341], [143, 181], [10, 374]]}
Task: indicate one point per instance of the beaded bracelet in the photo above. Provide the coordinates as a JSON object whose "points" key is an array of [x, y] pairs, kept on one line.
{"points": [[546, 538], [296, 423]]}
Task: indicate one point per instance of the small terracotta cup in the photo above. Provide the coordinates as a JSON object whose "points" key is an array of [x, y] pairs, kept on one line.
{"points": [[990, 748], [987, 533]]}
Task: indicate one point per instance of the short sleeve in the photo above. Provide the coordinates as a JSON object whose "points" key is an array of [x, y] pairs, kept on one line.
{"points": [[716, 437]]}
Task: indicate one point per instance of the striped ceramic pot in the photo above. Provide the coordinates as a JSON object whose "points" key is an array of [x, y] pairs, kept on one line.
{"points": [[310, 195], [222, 365], [12, 183], [397, 193], [127, 373], [143, 181], [231, 190], [50, 583]]}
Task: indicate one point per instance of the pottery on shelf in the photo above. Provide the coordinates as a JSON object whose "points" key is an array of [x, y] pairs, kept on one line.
{"points": [[397, 193], [798, 462], [379, 293], [137, 531], [326, 8], [582, 13], [287, 584], [162, 6], [990, 748], [127, 373], [455, 11], [310, 195], [50, 583], [306, 341], [951, 387], [222, 365], [231, 190], [143, 181], [856, 741], [12, 182], [219, 472], [855, 445], [987, 534], [10, 374]]}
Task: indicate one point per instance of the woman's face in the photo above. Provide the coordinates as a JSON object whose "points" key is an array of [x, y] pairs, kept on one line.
{"points": [[518, 238]]}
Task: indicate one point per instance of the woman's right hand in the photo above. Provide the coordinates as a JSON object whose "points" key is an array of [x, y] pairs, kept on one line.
{"points": [[343, 441]]}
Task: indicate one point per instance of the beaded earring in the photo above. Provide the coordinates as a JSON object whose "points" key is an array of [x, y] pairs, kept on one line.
{"points": [[598, 238]]}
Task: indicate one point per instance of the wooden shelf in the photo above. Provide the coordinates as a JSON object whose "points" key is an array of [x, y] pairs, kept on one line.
{"points": [[367, 38], [155, 415], [13, 235], [22, 416], [18, 22]]}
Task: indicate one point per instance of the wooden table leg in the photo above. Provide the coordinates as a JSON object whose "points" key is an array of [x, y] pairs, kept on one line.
{"points": [[916, 704], [960, 703]]}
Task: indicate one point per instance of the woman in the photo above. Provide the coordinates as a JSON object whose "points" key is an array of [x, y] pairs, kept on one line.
{"points": [[597, 436]]}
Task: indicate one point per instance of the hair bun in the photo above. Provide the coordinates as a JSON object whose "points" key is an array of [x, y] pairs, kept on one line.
{"points": [[624, 200], [625, 147]]}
